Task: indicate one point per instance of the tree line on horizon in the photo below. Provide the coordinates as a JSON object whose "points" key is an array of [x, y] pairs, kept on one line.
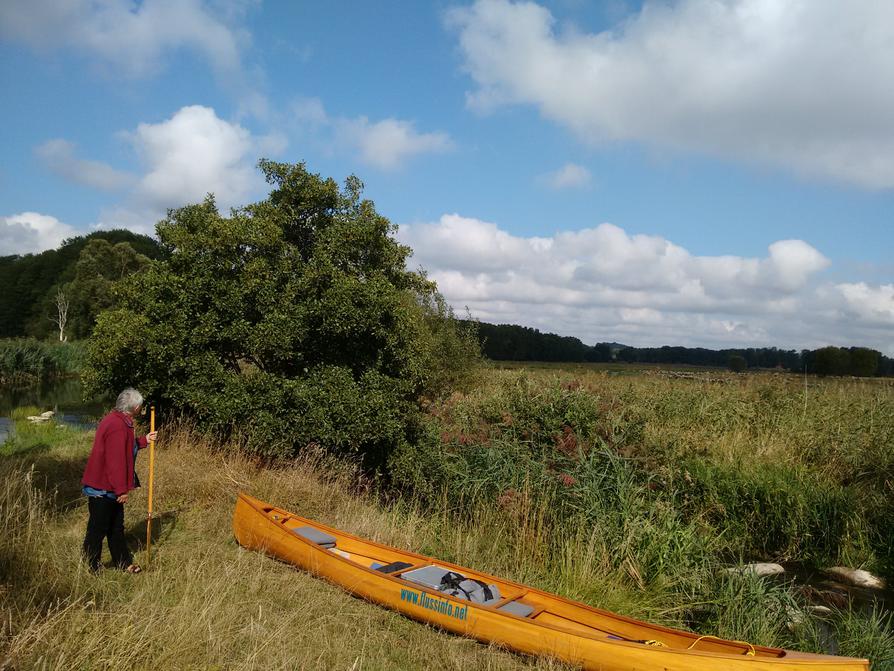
{"points": [[509, 342], [84, 269]]}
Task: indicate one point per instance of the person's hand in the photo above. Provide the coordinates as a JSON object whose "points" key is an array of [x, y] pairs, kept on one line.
{"points": [[152, 436], [122, 498]]}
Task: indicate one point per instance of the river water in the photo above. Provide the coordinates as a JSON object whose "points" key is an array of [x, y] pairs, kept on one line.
{"points": [[64, 397]]}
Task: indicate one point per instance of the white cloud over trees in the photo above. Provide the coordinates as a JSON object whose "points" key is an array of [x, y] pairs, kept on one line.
{"points": [[603, 284], [29, 232], [194, 153]]}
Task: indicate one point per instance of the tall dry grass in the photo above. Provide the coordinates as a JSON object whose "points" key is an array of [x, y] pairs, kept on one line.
{"points": [[204, 602]]}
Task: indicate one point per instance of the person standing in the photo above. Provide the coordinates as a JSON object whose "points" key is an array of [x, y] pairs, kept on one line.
{"points": [[108, 478]]}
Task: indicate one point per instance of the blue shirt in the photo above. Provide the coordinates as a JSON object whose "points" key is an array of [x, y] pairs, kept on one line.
{"points": [[91, 491]]}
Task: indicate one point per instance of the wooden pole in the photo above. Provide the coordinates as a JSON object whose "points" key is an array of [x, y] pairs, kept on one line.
{"points": [[151, 478]]}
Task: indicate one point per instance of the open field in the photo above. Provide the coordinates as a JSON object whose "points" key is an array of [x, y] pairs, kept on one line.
{"points": [[629, 492]]}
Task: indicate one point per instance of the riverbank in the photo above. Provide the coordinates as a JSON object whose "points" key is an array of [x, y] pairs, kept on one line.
{"points": [[204, 602]]}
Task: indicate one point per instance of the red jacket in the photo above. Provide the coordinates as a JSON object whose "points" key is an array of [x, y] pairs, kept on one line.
{"points": [[111, 462]]}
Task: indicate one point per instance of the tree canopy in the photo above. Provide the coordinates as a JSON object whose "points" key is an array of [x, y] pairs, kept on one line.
{"points": [[293, 319]]}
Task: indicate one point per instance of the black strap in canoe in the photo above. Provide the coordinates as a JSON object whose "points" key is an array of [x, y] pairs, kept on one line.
{"points": [[453, 580]]}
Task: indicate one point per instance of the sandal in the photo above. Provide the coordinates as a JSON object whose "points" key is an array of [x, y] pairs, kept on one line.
{"points": [[134, 569]]}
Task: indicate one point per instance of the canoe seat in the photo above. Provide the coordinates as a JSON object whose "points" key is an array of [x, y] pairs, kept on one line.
{"points": [[316, 536], [517, 608], [436, 577]]}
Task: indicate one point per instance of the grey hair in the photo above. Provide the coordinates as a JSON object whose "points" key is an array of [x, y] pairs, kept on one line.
{"points": [[129, 400]]}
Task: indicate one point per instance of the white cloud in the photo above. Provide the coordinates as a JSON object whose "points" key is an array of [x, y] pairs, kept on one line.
{"points": [[569, 176], [874, 305], [194, 153], [133, 37], [136, 39], [182, 159], [801, 85], [59, 156], [387, 144], [30, 232], [603, 284]]}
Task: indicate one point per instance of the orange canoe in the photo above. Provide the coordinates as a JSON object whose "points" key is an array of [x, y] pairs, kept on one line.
{"points": [[512, 615]]}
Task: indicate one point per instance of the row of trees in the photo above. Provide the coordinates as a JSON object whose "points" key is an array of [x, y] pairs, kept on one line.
{"points": [[59, 293], [508, 342]]}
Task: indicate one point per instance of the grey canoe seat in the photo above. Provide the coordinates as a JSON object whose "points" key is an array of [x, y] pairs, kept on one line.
{"points": [[471, 590], [517, 608], [316, 536]]}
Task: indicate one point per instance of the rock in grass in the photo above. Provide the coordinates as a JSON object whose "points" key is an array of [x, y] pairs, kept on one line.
{"points": [[760, 569], [856, 576]]}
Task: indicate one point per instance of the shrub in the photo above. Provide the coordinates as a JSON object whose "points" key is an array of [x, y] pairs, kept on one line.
{"points": [[293, 321]]}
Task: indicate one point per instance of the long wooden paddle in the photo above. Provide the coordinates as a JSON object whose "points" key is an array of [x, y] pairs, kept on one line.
{"points": [[151, 482]]}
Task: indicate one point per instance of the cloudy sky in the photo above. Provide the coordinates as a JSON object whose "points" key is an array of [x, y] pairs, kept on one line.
{"points": [[695, 172]]}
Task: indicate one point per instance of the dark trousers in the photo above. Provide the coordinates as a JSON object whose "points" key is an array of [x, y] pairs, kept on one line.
{"points": [[106, 520]]}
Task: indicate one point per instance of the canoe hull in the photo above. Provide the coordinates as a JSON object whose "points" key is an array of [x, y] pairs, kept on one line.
{"points": [[254, 530]]}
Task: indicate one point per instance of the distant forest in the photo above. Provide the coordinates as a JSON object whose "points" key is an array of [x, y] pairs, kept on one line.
{"points": [[508, 342], [83, 269]]}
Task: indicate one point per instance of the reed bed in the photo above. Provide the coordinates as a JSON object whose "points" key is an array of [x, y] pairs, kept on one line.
{"points": [[28, 360]]}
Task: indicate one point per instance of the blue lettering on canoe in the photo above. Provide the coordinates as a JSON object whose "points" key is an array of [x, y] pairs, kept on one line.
{"points": [[433, 603]]}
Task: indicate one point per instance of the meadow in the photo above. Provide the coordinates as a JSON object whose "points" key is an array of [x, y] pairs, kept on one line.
{"points": [[631, 490]]}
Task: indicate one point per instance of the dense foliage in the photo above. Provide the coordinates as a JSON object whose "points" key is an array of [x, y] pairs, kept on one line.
{"points": [[30, 282], [508, 342], [294, 321]]}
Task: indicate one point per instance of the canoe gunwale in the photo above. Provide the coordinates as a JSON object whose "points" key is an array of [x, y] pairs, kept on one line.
{"points": [[772, 655]]}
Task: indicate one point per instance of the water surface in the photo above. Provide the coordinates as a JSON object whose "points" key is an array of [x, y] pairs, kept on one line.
{"points": [[65, 397]]}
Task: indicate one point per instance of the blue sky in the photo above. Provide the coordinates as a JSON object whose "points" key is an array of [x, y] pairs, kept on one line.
{"points": [[699, 172]]}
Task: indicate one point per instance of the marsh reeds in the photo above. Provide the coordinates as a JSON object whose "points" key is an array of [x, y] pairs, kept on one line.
{"points": [[27, 360]]}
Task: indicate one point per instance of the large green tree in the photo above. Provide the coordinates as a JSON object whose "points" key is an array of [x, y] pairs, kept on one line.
{"points": [[293, 320]]}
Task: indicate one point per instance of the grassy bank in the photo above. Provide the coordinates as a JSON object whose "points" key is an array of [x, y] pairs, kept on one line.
{"points": [[27, 360], [205, 603]]}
